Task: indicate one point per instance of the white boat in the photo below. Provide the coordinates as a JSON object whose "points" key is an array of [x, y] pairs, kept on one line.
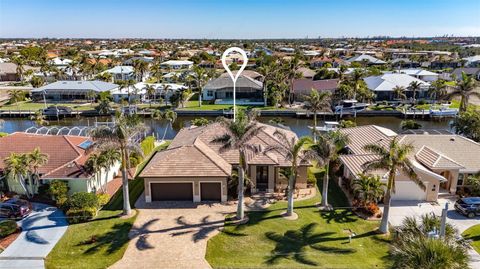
{"points": [[351, 105], [329, 126], [444, 112]]}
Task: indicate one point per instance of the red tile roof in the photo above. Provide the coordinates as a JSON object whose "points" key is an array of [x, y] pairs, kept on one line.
{"points": [[65, 157]]}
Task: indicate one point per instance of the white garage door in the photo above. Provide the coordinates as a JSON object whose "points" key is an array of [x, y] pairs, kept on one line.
{"points": [[408, 191]]}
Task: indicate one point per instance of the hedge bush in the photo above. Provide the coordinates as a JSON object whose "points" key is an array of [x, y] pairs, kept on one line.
{"points": [[81, 200], [148, 145], [58, 190], [77, 215], [103, 199], [7, 227]]}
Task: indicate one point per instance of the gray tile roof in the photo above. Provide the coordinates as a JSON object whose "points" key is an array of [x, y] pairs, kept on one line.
{"points": [[83, 85]]}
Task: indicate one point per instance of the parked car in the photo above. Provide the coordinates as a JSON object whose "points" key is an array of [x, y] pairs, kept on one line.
{"points": [[15, 208], [468, 206]]}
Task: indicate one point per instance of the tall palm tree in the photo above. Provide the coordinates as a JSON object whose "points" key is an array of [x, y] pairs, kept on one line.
{"points": [[169, 115], [393, 159], [291, 74], [16, 168], [94, 164], [464, 89], [327, 149], [91, 95], [15, 96], [236, 135], [39, 118], [36, 159], [316, 102], [414, 86], [295, 151], [122, 137], [151, 91], [356, 81], [200, 76], [437, 89], [167, 89], [110, 158], [20, 62], [399, 92]]}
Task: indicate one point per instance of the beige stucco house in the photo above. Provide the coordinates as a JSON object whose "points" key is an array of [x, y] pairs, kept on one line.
{"points": [[193, 168], [442, 160]]}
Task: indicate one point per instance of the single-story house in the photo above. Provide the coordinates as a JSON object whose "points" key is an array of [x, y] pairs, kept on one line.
{"points": [[370, 60], [442, 161], [70, 90], [247, 91], [193, 168], [61, 62], [470, 71], [123, 72], [302, 87], [67, 156], [8, 71], [306, 72], [177, 64], [421, 74], [383, 85], [472, 61]]}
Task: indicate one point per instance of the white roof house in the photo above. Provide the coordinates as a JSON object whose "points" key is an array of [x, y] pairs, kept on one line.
{"points": [[121, 72], [421, 74], [60, 61], [177, 64], [364, 57], [472, 60], [387, 82]]}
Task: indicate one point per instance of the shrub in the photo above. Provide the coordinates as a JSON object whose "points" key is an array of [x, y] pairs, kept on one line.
{"points": [[135, 159], [76, 215], [148, 145], [58, 190], [311, 178], [199, 122], [81, 200], [3, 134], [410, 125], [103, 199], [7, 227]]}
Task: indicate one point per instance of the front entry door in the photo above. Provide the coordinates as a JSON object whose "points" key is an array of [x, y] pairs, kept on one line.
{"points": [[262, 178]]}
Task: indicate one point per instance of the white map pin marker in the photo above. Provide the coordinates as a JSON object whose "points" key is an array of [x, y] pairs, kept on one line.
{"points": [[234, 78]]}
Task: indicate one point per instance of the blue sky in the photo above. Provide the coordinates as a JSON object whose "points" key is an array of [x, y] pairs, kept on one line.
{"points": [[237, 19]]}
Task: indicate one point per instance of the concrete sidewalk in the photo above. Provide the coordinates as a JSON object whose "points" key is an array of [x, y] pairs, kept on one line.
{"points": [[41, 231]]}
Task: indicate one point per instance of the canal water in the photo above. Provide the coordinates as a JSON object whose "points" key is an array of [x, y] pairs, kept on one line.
{"points": [[298, 125]]}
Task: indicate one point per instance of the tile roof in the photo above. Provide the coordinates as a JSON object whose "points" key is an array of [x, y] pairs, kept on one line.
{"points": [[387, 82], [226, 82], [432, 159], [369, 134], [83, 85], [65, 157], [355, 163], [304, 86]]}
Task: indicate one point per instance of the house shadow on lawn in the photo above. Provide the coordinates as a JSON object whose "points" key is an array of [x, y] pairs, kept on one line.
{"points": [[294, 244]]}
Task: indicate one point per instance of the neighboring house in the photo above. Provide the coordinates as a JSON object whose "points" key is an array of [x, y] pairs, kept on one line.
{"points": [[176, 64], [61, 62], [123, 72], [370, 60], [383, 86], [302, 87], [67, 156], [421, 74], [220, 91], [8, 71], [306, 72], [404, 63], [136, 92], [472, 61], [194, 169], [129, 62], [470, 71], [69, 90], [441, 160]]}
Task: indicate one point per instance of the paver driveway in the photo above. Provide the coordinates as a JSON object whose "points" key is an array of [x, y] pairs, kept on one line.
{"points": [[172, 234]]}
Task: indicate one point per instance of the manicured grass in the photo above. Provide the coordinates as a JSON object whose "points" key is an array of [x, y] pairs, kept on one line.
{"points": [[36, 106], [473, 233], [101, 242], [316, 240]]}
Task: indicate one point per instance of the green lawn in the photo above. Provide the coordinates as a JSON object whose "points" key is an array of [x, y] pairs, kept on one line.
{"points": [[316, 240], [473, 233], [102, 241], [36, 106]]}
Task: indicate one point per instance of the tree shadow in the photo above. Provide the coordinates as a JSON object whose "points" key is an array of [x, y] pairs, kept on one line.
{"points": [[339, 216], [112, 240], [293, 244]]}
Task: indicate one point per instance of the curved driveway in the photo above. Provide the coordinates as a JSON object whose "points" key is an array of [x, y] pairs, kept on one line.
{"points": [[41, 231]]}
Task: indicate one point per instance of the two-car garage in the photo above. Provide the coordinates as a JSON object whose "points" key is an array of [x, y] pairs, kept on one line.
{"points": [[184, 191]]}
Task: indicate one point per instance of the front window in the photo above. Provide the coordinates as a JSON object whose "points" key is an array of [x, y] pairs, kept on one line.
{"points": [[209, 93]]}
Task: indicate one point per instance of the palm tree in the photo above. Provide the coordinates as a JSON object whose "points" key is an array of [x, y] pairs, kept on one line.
{"points": [[20, 62], [169, 115], [39, 118], [37, 81], [200, 76], [415, 86], [316, 102], [91, 95], [122, 138], [16, 168], [94, 164], [356, 80], [368, 188], [236, 135], [393, 159], [151, 91], [295, 152], [437, 89], [464, 89], [327, 149], [15, 96], [166, 90], [104, 107], [110, 158], [36, 159], [399, 92]]}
